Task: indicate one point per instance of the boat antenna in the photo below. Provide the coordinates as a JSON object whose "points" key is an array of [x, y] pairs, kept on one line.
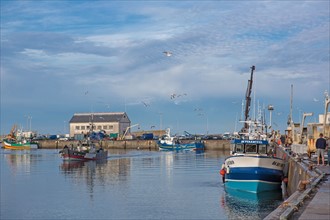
{"points": [[290, 121], [248, 99]]}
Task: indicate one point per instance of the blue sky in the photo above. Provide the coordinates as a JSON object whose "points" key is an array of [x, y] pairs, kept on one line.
{"points": [[63, 57]]}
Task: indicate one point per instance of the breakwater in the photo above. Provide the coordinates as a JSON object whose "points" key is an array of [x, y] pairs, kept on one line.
{"points": [[131, 144]]}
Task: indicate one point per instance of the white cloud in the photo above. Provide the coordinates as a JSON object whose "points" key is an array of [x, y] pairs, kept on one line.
{"points": [[118, 51]]}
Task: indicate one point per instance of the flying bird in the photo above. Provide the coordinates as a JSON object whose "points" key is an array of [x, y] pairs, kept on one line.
{"points": [[173, 96], [167, 53], [315, 100], [145, 104]]}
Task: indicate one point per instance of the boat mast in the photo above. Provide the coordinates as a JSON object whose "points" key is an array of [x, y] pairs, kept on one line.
{"points": [[248, 100]]}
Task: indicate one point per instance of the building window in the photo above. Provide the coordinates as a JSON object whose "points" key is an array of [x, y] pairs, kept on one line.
{"points": [[99, 127], [77, 128], [87, 127], [82, 127], [111, 127], [105, 127]]}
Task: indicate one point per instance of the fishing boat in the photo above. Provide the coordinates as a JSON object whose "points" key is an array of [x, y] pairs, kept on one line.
{"points": [[13, 144], [252, 165], [83, 152], [168, 142], [16, 141]]}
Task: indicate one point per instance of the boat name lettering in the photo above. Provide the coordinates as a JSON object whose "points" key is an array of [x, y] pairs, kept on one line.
{"points": [[251, 142], [230, 162], [277, 164]]}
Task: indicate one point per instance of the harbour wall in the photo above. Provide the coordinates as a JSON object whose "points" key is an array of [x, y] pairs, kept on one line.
{"points": [[296, 169], [302, 178], [131, 144]]}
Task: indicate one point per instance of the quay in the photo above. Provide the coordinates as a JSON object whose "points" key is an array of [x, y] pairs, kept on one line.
{"points": [[307, 191], [319, 206], [131, 144]]}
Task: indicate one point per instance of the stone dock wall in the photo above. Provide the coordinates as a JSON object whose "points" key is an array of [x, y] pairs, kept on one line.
{"points": [[302, 179], [131, 144]]}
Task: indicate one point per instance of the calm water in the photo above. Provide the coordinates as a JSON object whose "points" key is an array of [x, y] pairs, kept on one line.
{"points": [[133, 184]]}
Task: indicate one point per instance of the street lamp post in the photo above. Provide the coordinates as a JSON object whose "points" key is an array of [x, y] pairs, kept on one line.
{"points": [[31, 123], [270, 109], [64, 127]]}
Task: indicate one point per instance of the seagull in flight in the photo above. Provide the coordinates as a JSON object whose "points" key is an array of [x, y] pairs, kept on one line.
{"points": [[167, 53], [145, 104], [173, 96], [315, 100]]}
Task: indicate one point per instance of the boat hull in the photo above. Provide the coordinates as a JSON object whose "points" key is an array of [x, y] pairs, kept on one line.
{"points": [[72, 155], [188, 146], [19, 146], [254, 173]]}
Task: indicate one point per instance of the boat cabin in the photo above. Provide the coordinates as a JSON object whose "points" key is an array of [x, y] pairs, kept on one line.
{"points": [[249, 147]]}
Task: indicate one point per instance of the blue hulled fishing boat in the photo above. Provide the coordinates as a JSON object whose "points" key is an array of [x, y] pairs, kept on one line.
{"points": [[252, 165]]}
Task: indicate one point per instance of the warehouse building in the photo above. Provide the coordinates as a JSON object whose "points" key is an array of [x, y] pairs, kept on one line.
{"points": [[110, 122]]}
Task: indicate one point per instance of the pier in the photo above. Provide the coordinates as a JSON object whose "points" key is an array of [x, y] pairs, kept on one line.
{"points": [[318, 207], [307, 190]]}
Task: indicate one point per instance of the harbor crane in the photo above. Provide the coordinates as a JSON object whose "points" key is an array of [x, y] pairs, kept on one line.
{"points": [[302, 125], [129, 127], [248, 99]]}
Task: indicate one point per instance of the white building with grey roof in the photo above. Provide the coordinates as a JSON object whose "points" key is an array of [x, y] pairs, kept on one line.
{"points": [[110, 122]]}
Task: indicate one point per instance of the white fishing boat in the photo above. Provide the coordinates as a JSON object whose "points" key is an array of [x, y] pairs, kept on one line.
{"points": [[252, 165]]}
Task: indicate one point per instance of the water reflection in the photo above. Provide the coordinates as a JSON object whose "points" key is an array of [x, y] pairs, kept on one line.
{"points": [[20, 161], [97, 172], [246, 205], [129, 185]]}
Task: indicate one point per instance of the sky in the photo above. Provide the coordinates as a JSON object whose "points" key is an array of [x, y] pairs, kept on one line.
{"points": [[64, 57]]}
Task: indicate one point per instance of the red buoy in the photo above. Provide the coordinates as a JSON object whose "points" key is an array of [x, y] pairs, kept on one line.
{"points": [[222, 172]]}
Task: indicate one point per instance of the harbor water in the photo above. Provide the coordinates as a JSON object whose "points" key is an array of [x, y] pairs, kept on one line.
{"points": [[130, 184]]}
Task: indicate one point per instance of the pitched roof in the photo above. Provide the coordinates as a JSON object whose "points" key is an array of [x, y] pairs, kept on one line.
{"points": [[97, 117]]}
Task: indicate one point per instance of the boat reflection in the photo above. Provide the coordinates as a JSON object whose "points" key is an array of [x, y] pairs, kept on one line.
{"points": [[254, 197], [100, 172], [68, 166], [20, 161], [255, 205]]}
